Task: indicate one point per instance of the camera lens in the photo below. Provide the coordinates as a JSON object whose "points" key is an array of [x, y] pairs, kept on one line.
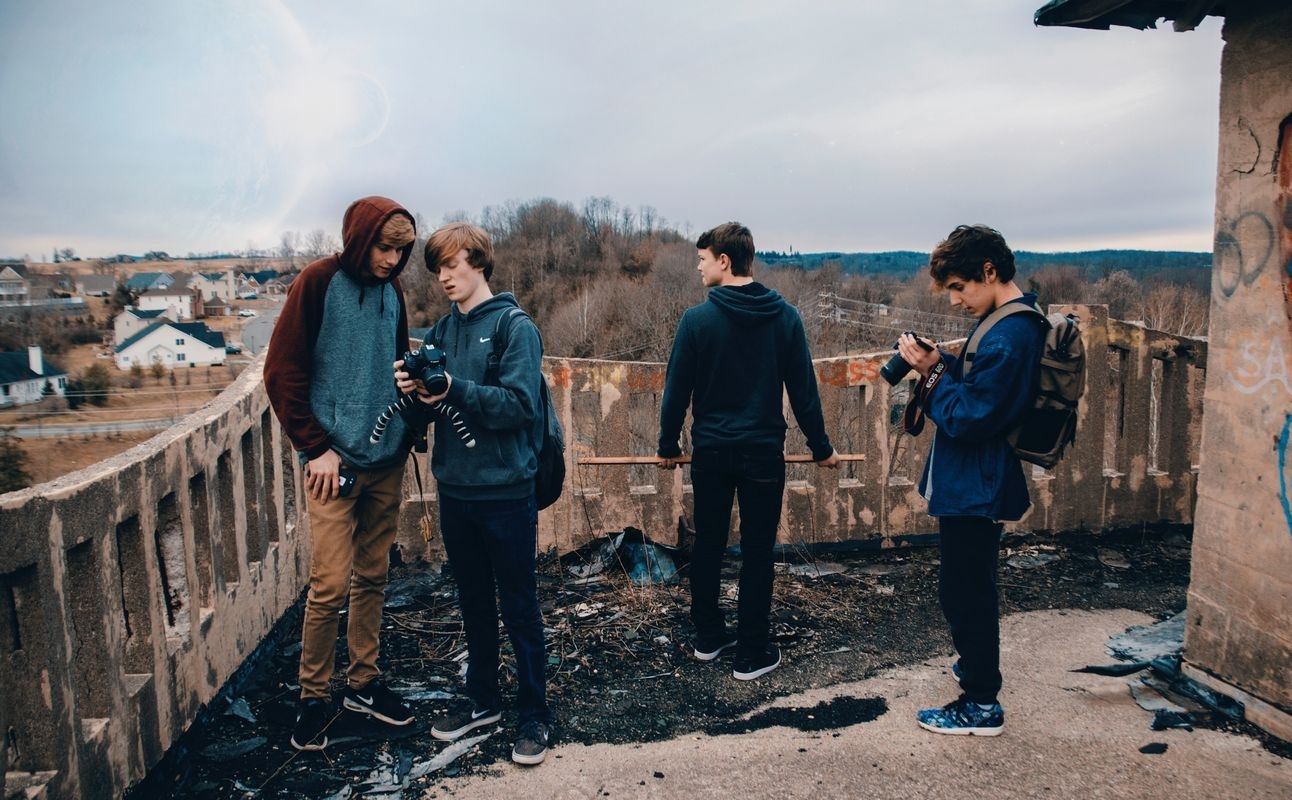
{"points": [[895, 370]]}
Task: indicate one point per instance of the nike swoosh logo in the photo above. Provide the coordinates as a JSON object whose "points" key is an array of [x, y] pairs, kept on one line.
{"points": [[364, 700], [478, 715], [482, 341]]}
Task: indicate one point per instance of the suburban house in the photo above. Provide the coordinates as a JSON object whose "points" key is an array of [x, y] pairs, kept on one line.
{"points": [[215, 285], [24, 376], [216, 307], [96, 285], [142, 282], [133, 320], [172, 344], [179, 301], [13, 285]]}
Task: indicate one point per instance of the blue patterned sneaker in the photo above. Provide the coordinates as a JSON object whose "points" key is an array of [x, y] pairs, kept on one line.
{"points": [[963, 718]]}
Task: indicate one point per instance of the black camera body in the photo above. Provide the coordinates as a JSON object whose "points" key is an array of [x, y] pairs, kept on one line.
{"points": [[427, 365], [896, 369]]}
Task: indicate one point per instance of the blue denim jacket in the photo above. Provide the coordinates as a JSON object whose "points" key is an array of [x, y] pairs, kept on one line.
{"points": [[971, 470]]}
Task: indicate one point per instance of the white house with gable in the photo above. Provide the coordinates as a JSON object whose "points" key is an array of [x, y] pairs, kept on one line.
{"points": [[132, 320], [178, 301], [24, 376], [172, 344]]}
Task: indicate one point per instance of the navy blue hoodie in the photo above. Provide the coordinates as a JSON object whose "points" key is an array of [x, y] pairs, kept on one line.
{"points": [[731, 357]]}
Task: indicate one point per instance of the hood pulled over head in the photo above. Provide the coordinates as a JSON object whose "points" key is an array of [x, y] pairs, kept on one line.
{"points": [[360, 231]]}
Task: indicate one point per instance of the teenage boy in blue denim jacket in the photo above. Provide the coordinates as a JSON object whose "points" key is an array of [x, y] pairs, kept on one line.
{"points": [[488, 514], [972, 480]]}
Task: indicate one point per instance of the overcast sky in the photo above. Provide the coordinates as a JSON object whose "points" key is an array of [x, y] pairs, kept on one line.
{"points": [[193, 126]]}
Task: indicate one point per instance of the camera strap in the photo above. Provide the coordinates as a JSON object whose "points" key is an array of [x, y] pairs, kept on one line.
{"points": [[425, 522], [913, 417]]}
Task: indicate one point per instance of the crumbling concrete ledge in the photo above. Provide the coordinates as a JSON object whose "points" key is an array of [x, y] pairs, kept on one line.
{"points": [[1066, 735]]}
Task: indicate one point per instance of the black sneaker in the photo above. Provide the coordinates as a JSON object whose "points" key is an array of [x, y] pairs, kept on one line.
{"points": [[531, 744], [707, 648], [378, 702], [451, 727], [749, 667], [313, 716]]}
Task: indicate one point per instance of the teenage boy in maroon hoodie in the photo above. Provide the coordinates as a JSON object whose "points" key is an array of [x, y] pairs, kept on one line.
{"points": [[327, 374]]}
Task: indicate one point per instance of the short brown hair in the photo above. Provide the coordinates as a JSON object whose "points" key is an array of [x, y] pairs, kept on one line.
{"points": [[398, 231], [964, 253], [449, 239], [732, 240]]}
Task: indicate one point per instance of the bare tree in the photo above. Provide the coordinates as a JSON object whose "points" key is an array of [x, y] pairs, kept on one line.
{"points": [[319, 243], [1173, 308], [287, 247]]}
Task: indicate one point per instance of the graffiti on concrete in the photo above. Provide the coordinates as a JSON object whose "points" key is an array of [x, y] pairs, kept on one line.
{"points": [[1285, 204], [1244, 246], [1283, 472], [1262, 363]]}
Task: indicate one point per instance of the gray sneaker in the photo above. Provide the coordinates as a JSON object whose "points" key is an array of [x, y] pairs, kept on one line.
{"points": [[531, 744], [453, 726]]}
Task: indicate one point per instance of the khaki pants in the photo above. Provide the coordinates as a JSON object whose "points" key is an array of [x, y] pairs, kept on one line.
{"points": [[352, 537]]}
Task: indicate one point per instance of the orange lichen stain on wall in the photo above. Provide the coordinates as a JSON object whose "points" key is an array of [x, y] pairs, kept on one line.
{"points": [[562, 375], [640, 380]]}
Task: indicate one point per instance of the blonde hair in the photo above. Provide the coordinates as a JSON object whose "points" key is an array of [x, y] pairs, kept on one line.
{"points": [[449, 239], [398, 231]]}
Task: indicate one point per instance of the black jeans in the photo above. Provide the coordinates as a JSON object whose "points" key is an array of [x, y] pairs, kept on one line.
{"points": [[492, 542], [756, 479], [970, 550]]}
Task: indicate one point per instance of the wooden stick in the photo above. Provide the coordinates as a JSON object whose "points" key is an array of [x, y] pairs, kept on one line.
{"points": [[612, 460]]}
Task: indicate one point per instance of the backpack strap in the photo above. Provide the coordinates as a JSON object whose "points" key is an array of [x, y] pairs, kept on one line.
{"points": [[1009, 309], [501, 332], [436, 334]]}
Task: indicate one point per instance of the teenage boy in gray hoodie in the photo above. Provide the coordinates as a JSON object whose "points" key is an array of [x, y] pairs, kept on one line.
{"points": [[327, 374], [488, 514], [732, 358]]}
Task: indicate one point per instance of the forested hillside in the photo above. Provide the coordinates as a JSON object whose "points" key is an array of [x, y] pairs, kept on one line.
{"points": [[610, 281]]}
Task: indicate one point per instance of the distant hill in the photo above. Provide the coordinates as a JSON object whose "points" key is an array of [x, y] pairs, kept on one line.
{"points": [[1094, 263]]}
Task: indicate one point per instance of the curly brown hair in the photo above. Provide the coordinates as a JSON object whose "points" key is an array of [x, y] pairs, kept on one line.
{"points": [[966, 251]]}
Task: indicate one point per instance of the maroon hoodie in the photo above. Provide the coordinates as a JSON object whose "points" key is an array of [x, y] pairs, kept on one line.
{"points": [[328, 370]]}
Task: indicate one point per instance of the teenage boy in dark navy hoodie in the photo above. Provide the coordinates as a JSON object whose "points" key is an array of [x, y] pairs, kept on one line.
{"points": [[972, 479], [488, 514], [327, 374], [733, 357]]}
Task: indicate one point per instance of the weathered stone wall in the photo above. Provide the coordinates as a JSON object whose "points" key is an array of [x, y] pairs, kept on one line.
{"points": [[1132, 461], [130, 592], [1239, 614]]}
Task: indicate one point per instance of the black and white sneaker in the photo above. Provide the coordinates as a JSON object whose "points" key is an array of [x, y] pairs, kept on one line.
{"points": [[452, 727], [378, 702], [707, 648], [313, 717], [757, 665], [531, 744]]}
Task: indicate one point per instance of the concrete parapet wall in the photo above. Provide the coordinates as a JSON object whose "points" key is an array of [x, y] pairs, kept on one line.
{"points": [[130, 592], [1133, 460]]}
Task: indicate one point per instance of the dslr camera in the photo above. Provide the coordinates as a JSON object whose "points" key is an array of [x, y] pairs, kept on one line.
{"points": [[427, 365], [896, 369]]}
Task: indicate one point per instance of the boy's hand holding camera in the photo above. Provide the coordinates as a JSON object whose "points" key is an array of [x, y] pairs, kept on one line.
{"points": [[920, 354], [405, 383]]}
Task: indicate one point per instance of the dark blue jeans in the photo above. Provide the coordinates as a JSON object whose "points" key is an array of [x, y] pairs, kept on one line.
{"points": [[970, 549], [490, 544], [755, 478]]}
